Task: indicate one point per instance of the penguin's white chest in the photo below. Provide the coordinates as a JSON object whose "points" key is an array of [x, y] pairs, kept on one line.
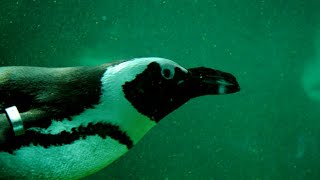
{"points": [[83, 156], [74, 160]]}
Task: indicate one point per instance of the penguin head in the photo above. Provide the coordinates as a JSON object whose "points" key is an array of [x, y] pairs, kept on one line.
{"points": [[155, 86]]}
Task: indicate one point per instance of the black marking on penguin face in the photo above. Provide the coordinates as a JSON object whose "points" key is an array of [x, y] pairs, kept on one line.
{"points": [[158, 91], [36, 138]]}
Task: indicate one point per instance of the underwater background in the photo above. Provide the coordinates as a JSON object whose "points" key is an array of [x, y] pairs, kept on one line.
{"points": [[270, 130]]}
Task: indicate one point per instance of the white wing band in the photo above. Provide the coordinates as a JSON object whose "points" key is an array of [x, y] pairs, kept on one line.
{"points": [[15, 120]]}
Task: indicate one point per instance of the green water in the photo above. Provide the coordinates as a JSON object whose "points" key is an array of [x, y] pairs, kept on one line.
{"points": [[270, 130]]}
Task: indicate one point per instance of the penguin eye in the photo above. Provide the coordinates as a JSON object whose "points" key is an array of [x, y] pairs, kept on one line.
{"points": [[167, 73]]}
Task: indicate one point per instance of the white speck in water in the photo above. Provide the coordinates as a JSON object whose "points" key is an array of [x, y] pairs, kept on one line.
{"points": [[103, 18]]}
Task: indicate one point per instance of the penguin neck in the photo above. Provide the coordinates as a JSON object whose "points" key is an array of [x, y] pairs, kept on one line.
{"points": [[121, 112]]}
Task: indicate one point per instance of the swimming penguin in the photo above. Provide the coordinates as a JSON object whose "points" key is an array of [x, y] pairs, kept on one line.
{"points": [[78, 120]]}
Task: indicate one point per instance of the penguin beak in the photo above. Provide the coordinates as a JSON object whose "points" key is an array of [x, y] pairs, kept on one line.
{"points": [[206, 81]]}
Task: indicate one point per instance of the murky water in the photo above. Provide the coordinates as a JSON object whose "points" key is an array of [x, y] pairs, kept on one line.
{"points": [[270, 130]]}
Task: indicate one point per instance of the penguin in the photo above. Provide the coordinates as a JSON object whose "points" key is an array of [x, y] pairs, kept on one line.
{"points": [[78, 120]]}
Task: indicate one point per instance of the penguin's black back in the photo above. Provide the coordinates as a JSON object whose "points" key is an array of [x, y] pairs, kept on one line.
{"points": [[52, 93]]}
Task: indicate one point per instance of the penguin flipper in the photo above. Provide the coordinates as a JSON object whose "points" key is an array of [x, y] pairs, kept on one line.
{"points": [[32, 118]]}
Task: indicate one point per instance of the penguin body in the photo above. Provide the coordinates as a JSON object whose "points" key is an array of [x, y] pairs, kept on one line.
{"points": [[78, 120]]}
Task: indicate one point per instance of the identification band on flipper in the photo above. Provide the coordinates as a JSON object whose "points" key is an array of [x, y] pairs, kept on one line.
{"points": [[15, 120]]}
